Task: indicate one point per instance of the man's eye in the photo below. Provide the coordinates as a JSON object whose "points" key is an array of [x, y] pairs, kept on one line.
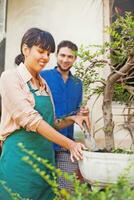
{"points": [[62, 55], [70, 57]]}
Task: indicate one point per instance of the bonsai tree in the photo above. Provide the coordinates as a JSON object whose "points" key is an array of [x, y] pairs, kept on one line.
{"points": [[118, 56]]}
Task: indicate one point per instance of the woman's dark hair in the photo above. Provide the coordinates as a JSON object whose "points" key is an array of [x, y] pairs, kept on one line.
{"points": [[67, 43], [37, 37]]}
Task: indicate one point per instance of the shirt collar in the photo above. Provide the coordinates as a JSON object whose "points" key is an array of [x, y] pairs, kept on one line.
{"points": [[70, 74], [26, 77], [24, 73]]}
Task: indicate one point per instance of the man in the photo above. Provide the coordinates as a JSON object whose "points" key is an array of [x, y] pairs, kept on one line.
{"points": [[67, 95]]}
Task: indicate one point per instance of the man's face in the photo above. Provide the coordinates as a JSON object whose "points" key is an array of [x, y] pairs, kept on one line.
{"points": [[65, 59]]}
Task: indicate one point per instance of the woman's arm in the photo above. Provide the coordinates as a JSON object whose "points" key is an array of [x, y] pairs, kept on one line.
{"points": [[51, 134]]}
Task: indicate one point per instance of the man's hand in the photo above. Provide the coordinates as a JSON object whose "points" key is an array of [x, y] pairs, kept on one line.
{"points": [[84, 111]]}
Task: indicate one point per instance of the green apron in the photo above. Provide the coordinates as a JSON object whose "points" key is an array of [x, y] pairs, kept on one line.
{"points": [[17, 174]]}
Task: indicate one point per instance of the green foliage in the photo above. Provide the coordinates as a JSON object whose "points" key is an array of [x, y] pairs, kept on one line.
{"points": [[113, 55], [122, 33], [121, 95], [124, 151], [13, 195], [88, 68], [121, 190]]}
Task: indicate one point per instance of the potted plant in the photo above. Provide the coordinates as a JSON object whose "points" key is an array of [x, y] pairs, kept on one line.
{"points": [[118, 56]]}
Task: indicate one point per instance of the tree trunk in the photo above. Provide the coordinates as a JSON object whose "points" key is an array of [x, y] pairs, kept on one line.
{"points": [[107, 102], [108, 117]]}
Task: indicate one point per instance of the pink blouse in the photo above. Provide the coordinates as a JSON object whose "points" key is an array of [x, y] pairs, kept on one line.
{"points": [[18, 102]]}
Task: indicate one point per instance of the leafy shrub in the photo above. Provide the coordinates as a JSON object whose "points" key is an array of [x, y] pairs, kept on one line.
{"points": [[119, 191]]}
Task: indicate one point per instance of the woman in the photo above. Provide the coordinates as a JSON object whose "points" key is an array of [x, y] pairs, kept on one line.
{"points": [[28, 117]]}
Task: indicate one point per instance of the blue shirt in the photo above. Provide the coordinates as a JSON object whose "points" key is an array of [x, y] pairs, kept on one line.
{"points": [[67, 97]]}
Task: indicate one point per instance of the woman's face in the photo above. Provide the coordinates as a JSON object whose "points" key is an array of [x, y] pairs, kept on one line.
{"points": [[36, 58]]}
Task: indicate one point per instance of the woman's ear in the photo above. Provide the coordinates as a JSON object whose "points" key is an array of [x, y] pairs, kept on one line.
{"points": [[25, 50]]}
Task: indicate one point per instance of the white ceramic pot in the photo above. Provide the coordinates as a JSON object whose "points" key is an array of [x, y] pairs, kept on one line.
{"points": [[103, 168]]}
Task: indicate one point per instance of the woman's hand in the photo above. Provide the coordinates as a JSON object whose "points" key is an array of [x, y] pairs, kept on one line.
{"points": [[75, 149]]}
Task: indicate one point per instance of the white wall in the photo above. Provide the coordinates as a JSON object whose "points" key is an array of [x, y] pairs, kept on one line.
{"points": [[78, 20]]}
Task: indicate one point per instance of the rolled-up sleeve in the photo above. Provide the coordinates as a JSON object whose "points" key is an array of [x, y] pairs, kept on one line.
{"points": [[18, 103]]}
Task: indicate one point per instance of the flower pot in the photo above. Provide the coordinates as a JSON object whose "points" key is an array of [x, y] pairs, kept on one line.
{"points": [[103, 168]]}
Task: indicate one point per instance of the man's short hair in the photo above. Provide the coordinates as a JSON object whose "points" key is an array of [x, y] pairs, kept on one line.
{"points": [[67, 43]]}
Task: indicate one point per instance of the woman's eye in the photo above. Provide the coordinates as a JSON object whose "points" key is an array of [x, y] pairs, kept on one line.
{"points": [[40, 50]]}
